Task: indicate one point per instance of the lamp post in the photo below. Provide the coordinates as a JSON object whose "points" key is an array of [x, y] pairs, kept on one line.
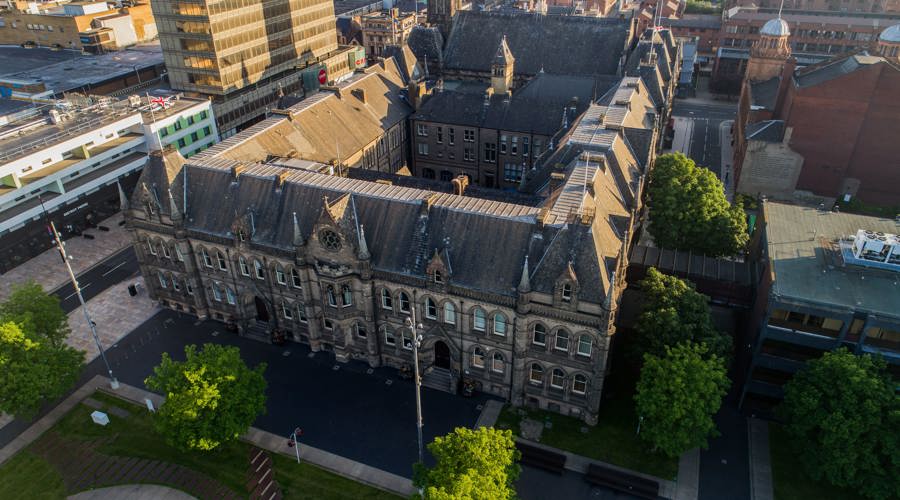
{"points": [[417, 342], [294, 441]]}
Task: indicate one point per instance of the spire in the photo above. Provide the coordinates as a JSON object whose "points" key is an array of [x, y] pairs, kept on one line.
{"points": [[123, 200], [363, 247], [298, 237], [525, 281], [504, 55], [175, 214], [780, 7]]}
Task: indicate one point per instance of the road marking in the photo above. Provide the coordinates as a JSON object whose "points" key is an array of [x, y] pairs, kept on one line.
{"points": [[75, 293], [113, 269]]}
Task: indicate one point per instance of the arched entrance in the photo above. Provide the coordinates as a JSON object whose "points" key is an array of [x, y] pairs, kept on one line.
{"points": [[441, 355], [262, 313]]}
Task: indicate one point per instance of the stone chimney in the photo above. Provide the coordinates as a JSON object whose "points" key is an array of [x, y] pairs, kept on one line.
{"points": [[416, 93], [460, 183]]}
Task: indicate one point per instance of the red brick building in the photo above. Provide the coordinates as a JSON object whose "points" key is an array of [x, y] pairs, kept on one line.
{"points": [[839, 115]]}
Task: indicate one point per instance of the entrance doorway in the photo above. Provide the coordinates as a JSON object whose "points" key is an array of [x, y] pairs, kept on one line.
{"points": [[441, 355], [262, 313]]}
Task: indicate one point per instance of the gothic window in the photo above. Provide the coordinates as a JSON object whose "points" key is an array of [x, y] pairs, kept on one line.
{"points": [[188, 287], [406, 337], [387, 302], [165, 249], [557, 378], [584, 345], [162, 279], [260, 270], [497, 363], [389, 337], [229, 296], [479, 320], [404, 302], [346, 296], [536, 374], [540, 335], [499, 324], [295, 278], [562, 340], [428, 173], [207, 261], [178, 253], [329, 295], [478, 358], [245, 269], [361, 331], [279, 275], [287, 311], [449, 313], [175, 285], [217, 293], [150, 246], [438, 276], [221, 258], [330, 240], [301, 315], [430, 308], [567, 292], [579, 384]]}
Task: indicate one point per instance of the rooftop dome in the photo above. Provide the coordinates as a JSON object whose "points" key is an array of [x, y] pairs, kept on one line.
{"points": [[775, 27], [891, 35]]}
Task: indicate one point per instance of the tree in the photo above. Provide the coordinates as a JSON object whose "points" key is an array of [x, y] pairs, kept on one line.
{"points": [[843, 416], [471, 464], [212, 397], [677, 396], [36, 365], [674, 312], [689, 211], [33, 371]]}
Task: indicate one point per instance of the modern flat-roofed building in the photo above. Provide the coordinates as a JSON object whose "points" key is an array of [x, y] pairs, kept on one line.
{"points": [[171, 120], [828, 280]]}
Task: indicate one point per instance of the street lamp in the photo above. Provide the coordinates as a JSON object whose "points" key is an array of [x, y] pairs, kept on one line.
{"points": [[294, 441], [417, 342]]}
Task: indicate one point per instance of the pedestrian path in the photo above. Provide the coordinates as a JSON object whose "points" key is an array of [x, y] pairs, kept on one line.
{"points": [[47, 268], [133, 492], [761, 487]]}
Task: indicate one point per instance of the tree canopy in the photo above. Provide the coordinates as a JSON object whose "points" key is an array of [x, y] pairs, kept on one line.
{"points": [[212, 397], [689, 211], [677, 396], [843, 416], [674, 312], [471, 464], [36, 365]]}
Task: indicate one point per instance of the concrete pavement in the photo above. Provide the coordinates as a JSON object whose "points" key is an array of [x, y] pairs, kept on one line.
{"points": [[133, 492], [688, 483], [761, 486], [727, 158]]}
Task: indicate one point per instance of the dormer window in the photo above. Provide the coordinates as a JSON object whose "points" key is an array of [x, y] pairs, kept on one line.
{"points": [[438, 277], [567, 292]]}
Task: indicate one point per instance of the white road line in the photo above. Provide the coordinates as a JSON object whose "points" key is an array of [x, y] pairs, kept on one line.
{"points": [[73, 293], [114, 268]]}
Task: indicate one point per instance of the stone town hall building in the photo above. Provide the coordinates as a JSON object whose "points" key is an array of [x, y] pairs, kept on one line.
{"points": [[521, 298]]}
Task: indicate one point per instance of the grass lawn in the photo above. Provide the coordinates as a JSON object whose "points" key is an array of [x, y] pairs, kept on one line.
{"points": [[790, 480], [612, 440], [28, 476]]}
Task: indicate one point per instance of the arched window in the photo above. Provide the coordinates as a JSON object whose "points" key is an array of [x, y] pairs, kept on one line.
{"points": [[536, 374], [295, 278], [163, 282], [567, 292], [579, 384], [499, 324], [279, 275], [406, 337], [557, 378], [540, 335], [286, 311], [404, 302], [260, 270], [245, 270], [346, 296], [223, 265], [585, 343], [478, 319], [217, 293], [449, 313], [389, 337], [150, 246], [178, 253], [562, 340], [329, 295], [387, 302], [229, 296], [438, 276], [175, 285], [165, 249], [430, 308], [207, 261], [497, 362], [478, 358], [361, 331]]}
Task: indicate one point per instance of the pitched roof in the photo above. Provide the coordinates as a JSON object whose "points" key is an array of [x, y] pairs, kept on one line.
{"points": [[427, 44], [764, 94], [574, 45], [835, 68], [766, 131]]}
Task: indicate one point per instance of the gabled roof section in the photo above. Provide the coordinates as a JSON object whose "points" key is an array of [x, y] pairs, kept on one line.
{"points": [[573, 45], [835, 68], [427, 44]]}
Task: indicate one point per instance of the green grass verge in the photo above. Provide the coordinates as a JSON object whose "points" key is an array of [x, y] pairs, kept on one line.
{"points": [[612, 440], [790, 481], [29, 476]]}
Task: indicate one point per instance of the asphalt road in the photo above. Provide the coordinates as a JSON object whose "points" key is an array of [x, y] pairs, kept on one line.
{"points": [[705, 145], [114, 269]]}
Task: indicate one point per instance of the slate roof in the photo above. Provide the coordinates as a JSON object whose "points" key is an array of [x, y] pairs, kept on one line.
{"points": [[326, 123], [573, 45], [766, 131], [835, 68], [537, 107], [406, 61], [764, 94], [427, 45], [709, 21]]}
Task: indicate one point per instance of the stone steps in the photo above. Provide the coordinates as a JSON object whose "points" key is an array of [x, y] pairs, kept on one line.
{"points": [[439, 379]]}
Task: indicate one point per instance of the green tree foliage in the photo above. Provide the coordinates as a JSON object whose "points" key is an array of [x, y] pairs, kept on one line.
{"points": [[689, 211], [212, 397], [36, 365], [471, 464], [677, 396], [674, 312], [843, 419]]}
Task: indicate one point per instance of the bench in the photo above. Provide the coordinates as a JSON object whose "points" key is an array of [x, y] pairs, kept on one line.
{"points": [[622, 481], [541, 458]]}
